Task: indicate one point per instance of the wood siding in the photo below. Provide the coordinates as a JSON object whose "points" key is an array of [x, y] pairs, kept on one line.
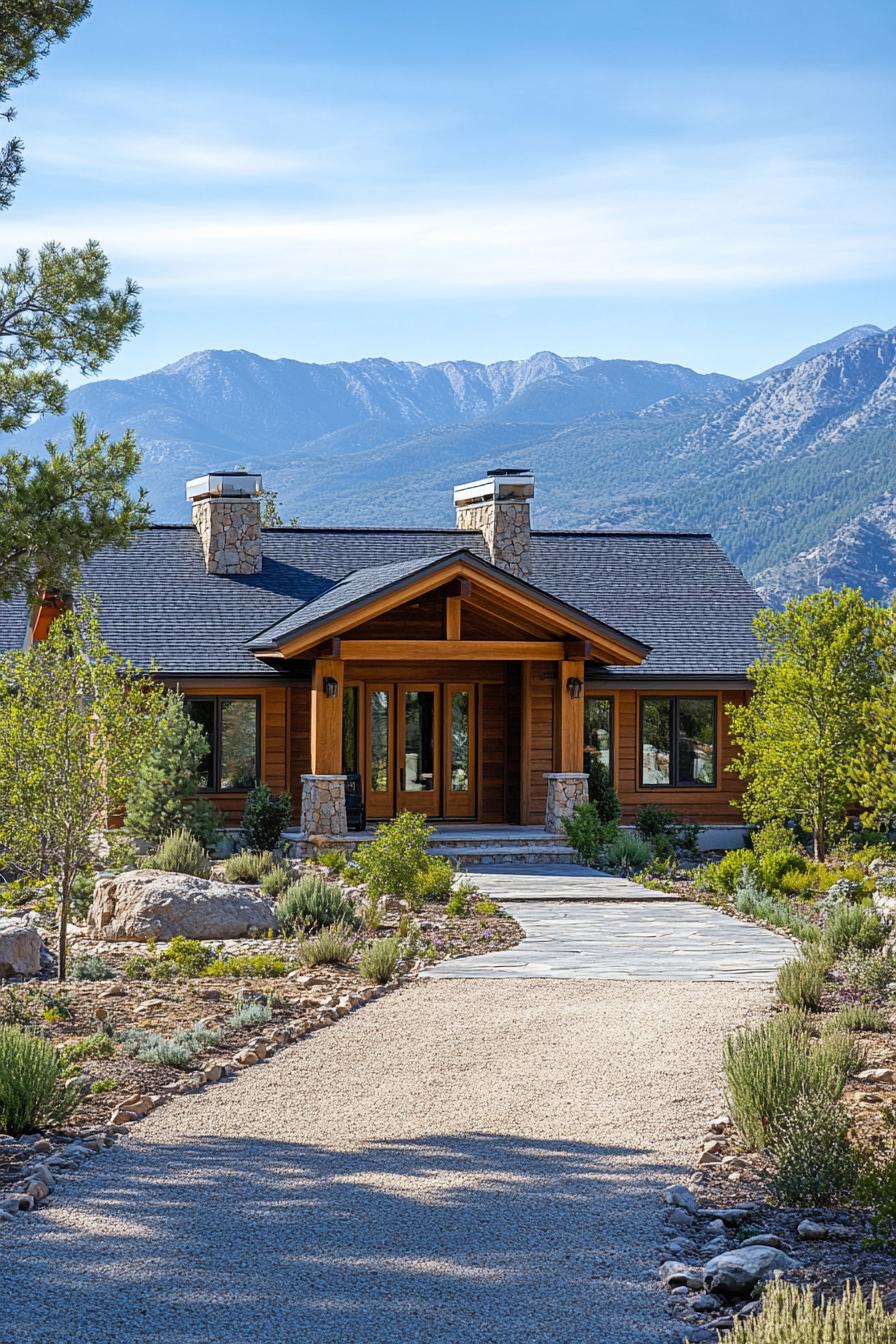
{"points": [[542, 695]]}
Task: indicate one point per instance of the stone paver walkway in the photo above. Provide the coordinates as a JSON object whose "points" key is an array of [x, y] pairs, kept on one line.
{"points": [[558, 882], [663, 940]]}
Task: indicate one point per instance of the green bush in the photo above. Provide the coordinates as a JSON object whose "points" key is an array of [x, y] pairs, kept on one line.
{"points": [[458, 906], [801, 982], [204, 822], [99, 1045], [790, 1316], [435, 881], [768, 1067], [314, 903], [31, 1092], [177, 1050], [774, 838], [652, 820], [82, 893], [249, 965], [334, 860], [857, 927], [163, 798], [860, 1017], [601, 792], [869, 970], [275, 882], [187, 955], [265, 818], [775, 866], [841, 1049], [250, 1014], [91, 968], [723, 877], [392, 862], [486, 907], [379, 960], [587, 834], [180, 852], [628, 852], [815, 1162], [750, 899], [334, 944], [249, 866]]}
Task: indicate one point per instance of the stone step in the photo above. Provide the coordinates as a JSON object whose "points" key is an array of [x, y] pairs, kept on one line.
{"points": [[494, 854]]}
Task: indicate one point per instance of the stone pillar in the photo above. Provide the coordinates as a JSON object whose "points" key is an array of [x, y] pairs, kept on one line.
{"points": [[567, 790], [230, 530], [506, 528], [323, 805]]}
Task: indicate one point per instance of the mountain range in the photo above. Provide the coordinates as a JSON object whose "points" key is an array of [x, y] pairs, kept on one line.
{"points": [[793, 470]]}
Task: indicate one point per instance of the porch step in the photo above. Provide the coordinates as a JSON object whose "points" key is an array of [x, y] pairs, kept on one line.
{"points": [[482, 855], [466, 848]]}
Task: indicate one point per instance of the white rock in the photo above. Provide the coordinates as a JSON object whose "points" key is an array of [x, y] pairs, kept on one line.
{"points": [[810, 1231], [20, 948], [736, 1273], [680, 1197], [145, 903]]}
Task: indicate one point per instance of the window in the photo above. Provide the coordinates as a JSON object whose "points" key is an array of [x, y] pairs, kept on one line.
{"points": [[599, 730], [350, 730], [678, 741], [231, 726]]}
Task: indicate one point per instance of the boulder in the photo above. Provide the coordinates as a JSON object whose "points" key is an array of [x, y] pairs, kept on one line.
{"points": [[736, 1273], [146, 903], [20, 949]]}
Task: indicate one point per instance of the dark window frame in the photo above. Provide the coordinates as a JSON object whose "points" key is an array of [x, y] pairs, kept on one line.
{"points": [[611, 699], [673, 742], [214, 785]]}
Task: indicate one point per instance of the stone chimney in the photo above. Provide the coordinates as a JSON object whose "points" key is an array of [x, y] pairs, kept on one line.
{"points": [[227, 516], [498, 507]]}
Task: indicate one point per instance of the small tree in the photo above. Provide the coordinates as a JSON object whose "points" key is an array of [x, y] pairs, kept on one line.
{"points": [[265, 818], [602, 793], [805, 725], [75, 720], [166, 780], [873, 773]]}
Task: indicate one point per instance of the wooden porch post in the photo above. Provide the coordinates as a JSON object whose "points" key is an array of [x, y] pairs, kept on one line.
{"points": [[326, 717], [571, 737]]}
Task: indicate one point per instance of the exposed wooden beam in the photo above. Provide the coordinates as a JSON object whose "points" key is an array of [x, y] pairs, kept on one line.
{"points": [[571, 743], [326, 718], [454, 650], [459, 588], [328, 648], [452, 617], [506, 618], [577, 648]]}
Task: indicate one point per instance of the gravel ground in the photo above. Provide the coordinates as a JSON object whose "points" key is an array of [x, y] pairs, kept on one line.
{"points": [[473, 1161]]}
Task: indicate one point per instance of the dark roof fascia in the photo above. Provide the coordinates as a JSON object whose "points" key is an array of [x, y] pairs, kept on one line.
{"points": [[669, 680], [444, 562]]}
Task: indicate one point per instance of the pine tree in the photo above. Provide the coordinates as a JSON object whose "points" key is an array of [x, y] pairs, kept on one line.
{"points": [[163, 796]]}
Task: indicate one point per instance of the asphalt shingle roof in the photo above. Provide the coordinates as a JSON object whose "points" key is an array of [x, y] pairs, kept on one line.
{"points": [[677, 593]]}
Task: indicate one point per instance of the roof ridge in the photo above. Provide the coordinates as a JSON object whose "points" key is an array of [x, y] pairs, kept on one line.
{"points": [[456, 531]]}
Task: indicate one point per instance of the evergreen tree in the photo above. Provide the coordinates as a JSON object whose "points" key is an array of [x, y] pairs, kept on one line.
{"points": [[163, 796]]}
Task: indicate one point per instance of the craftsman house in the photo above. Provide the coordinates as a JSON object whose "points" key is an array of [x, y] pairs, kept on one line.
{"points": [[467, 674]]}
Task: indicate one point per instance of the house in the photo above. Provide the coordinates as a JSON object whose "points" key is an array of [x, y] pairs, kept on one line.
{"points": [[467, 673]]}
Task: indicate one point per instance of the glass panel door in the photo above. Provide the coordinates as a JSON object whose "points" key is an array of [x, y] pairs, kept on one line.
{"points": [[380, 773], [418, 750], [460, 754]]}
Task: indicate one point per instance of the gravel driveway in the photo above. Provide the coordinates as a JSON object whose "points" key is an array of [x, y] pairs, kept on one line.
{"points": [[471, 1161]]}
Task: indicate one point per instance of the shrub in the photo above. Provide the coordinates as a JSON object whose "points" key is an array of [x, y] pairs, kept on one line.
{"points": [[252, 964], [856, 927], [122, 853], [869, 970], [768, 1067], [138, 967], [801, 982], [250, 1014], [586, 833], [31, 1091], [82, 894], [628, 852], [176, 1051], [371, 912], [773, 867], [841, 1049], [436, 879], [723, 877], [187, 955], [163, 798], [249, 866], [98, 1045], [458, 906], [774, 838], [333, 944], [486, 907], [393, 861], [91, 968], [815, 1163], [751, 900], [275, 882], [790, 1315], [601, 792], [180, 852], [379, 960], [102, 1085], [314, 903], [653, 820], [265, 818], [859, 1017], [334, 860]]}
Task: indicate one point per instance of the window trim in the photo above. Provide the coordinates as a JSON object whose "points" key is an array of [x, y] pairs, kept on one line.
{"points": [[214, 785], [673, 698], [611, 699]]}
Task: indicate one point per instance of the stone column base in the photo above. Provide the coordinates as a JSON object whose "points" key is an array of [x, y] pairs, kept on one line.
{"points": [[566, 792], [323, 805]]}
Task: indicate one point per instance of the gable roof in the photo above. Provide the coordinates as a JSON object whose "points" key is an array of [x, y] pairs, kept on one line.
{"points": [[674, 592]]}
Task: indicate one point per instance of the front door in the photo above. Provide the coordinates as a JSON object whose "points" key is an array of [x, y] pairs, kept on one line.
{"points": [[419, 748]]}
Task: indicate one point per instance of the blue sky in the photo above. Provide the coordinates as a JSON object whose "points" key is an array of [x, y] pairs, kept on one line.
{"points": [[709, 184]]}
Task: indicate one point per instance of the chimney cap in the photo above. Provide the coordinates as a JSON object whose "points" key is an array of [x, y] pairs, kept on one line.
{"points": [[509, 471], [225, 485]]}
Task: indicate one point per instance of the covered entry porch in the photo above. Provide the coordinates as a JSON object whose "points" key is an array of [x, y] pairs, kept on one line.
{"points": [[449, 688]]}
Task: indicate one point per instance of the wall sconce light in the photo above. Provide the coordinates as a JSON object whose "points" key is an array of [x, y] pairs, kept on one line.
{"points": [[574, 688], [331, 687]]}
